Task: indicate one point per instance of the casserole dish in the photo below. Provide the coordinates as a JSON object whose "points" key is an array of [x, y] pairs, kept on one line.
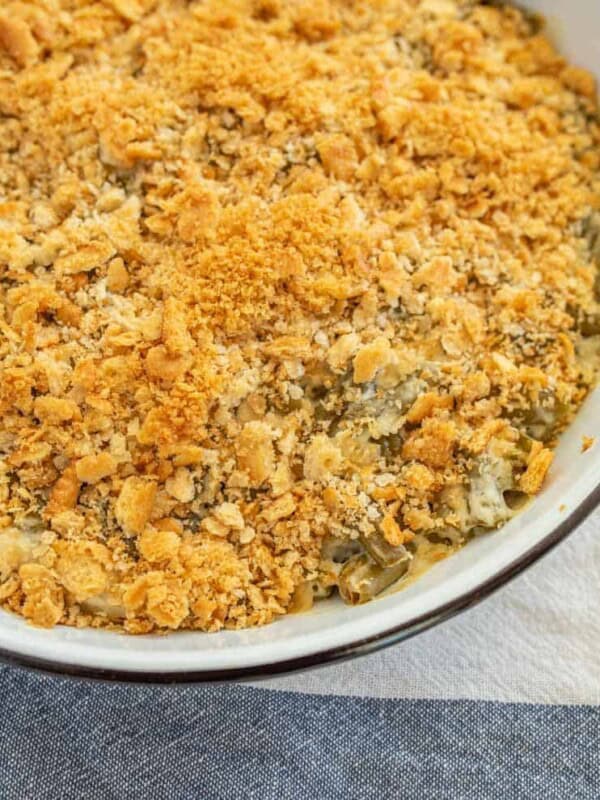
{"points": [[332, 631]]}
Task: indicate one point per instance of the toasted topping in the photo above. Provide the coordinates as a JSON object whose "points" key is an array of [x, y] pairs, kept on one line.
{"points": [[135, 503], [371, 358], [91, 469], [322, 460], [229, 514], [533, 477], [433, 443], [158, 545], [43, 601], [181, 485], [587, 442], [17, 39], [55, 410], [426, 405], [80, 568], [63, 495], [255, 452]]}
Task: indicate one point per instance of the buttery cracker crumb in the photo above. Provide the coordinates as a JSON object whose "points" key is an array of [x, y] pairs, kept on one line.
{"points": [[158, 545], [587, 442], [135, 503], [55, 409], [533, 477], [280, 508], [16, 37], [392, 532], [93, 468], [44, 601], [255, 451], [64, 493], [323, 459], [117, 277], [181, 485], [370, 359], [80, 568], [229, 514]]}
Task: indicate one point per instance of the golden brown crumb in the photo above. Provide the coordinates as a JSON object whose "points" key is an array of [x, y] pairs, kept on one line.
{"points": [[80, 568], [158, 545], [91, 469], [16, 37], [64, 493], [134, 504], [278, 278], [587, 442], [538, 466], [43, 597]]}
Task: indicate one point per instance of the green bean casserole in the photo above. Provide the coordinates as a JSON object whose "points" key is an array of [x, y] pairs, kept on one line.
{"points": [[296, 296]]}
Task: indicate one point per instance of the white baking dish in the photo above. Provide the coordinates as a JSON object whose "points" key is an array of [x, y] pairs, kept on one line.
{"points": [[332, 630]]}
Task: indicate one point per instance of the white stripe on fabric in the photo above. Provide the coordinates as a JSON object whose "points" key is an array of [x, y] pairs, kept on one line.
{"points": [[537, 640]]}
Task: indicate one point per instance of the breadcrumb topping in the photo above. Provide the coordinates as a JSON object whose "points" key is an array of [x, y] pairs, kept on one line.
{"points": [[294, 295]]}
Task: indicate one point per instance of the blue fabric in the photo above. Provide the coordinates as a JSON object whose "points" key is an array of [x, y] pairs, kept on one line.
{"points": [[71, 739]]}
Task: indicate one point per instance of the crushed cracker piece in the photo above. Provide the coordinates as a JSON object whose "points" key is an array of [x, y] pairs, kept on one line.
{"points": [[93, 468], [17, 39], [371, 358], [135, 503], [587, 442], [158, 545], [323, 458], [255, 451], [63, 495], [533, 477], [44, 601]]}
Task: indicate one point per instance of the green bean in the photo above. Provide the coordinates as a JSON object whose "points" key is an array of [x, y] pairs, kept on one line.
{"points": [[385, 554], [543, 419], [362, 578]]}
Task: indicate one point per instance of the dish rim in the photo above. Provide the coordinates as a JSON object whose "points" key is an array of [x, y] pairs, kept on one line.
{"points": [[396, 634]]}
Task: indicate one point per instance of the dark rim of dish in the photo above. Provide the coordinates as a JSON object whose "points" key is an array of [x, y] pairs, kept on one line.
{"points": [[360, 647]]}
